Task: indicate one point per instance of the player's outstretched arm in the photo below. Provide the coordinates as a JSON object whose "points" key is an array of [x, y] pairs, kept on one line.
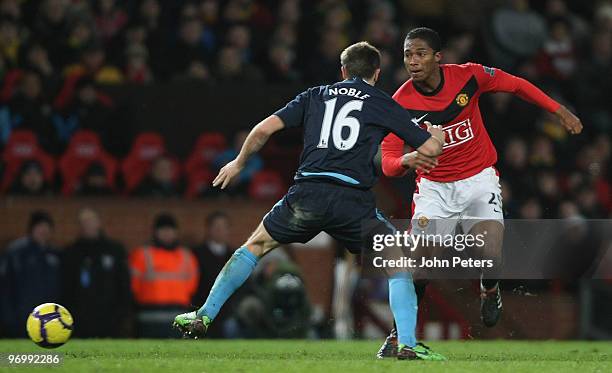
{"points": [[256, 139], [495, 80]]}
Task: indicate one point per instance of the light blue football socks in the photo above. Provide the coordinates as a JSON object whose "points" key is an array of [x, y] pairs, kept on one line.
{"points": [[404, 306], [232, 276]]}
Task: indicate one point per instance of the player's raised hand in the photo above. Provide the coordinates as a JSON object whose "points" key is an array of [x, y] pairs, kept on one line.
{"points": [[419, 162], [568, 120], [227, 173]]}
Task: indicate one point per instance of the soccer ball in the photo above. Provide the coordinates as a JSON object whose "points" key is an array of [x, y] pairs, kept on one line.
{"points": [[49, 325]]}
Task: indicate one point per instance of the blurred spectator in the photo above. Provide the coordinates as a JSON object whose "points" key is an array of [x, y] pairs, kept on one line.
{"points": [[10, 41], [237, 11], [592, 82], [96, 281], [81, 35], [37, 59], [231, 68], [137, 69], [380, 30], [542, 153], [239, 37], [568, 210], [324, 66], [149, 13], [548, 193], [88, 108], [516, 32], [51, 26], [93, 64], [95, 182], [588, 203], [530, 209], [29, 274], [30, 181], [254, 164], [189, 46], [280, 68], [603, 17], [209, 13], [10, 9], [514, 168], [161, 180], [578, 27], [164, 279], [149, 18], [110, 19], [212, 256], [285, 35], [557, 60], [28, 109]]}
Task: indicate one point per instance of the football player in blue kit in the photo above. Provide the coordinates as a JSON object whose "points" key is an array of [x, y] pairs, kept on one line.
{"points": [[343, 125]]}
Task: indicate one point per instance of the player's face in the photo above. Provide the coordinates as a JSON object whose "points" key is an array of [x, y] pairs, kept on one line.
{"points": [[420, 59]]}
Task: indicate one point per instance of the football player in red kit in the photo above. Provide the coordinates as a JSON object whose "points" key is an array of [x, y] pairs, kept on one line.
{"points": [[460, 187]]}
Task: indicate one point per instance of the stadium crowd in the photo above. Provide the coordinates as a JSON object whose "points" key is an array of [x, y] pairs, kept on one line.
{"points": [[58, 57]]}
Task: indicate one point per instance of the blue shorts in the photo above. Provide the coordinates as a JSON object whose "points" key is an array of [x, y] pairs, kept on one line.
{"points": [[311, 207]]}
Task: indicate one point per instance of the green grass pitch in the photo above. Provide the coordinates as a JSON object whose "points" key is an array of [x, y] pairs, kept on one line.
{"points": [[316, 356]]}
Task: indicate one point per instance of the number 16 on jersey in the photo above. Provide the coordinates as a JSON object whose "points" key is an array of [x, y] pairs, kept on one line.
{"points": [[343, 119]]}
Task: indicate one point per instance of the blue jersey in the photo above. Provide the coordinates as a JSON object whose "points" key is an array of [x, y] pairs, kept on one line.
{"points": [[343, 125]]}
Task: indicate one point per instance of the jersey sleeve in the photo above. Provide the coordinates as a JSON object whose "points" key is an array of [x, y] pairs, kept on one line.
{"points": [[292, 114], [491, 79], [399, 121], [392, 149]]}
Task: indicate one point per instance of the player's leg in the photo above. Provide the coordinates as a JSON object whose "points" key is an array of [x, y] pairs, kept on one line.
{"points": [[237, 269], [346, 226], [484, 217], [490, 293], [235, 272], [404, 306], [430, 215], [292, 219], [389, 346]]}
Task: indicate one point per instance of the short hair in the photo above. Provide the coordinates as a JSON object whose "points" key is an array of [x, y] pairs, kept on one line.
{"points": [[360, 60], [39, 217], [213, 216], [431, 37], [164, 220]]}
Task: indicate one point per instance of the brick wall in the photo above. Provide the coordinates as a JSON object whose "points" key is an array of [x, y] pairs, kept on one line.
{"points": [[130, 220]]}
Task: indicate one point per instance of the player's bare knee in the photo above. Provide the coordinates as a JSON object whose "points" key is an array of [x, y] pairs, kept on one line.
{"points": [[260, 242]]}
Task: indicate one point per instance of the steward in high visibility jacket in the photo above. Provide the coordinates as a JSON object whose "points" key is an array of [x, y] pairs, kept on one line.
{"points": [[165, 277]]}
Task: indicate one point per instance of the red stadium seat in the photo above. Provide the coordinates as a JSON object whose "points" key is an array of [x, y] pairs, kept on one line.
{"points": [[85, 149], [146, 148], [207, 147], [266, 185], [198, 183], [22, 146]]}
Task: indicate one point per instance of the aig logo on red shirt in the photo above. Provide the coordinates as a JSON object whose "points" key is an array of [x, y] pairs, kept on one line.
{"points": [[458, 133]]}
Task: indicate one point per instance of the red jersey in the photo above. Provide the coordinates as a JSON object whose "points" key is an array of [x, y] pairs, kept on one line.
{"points": [[454, 105]]}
